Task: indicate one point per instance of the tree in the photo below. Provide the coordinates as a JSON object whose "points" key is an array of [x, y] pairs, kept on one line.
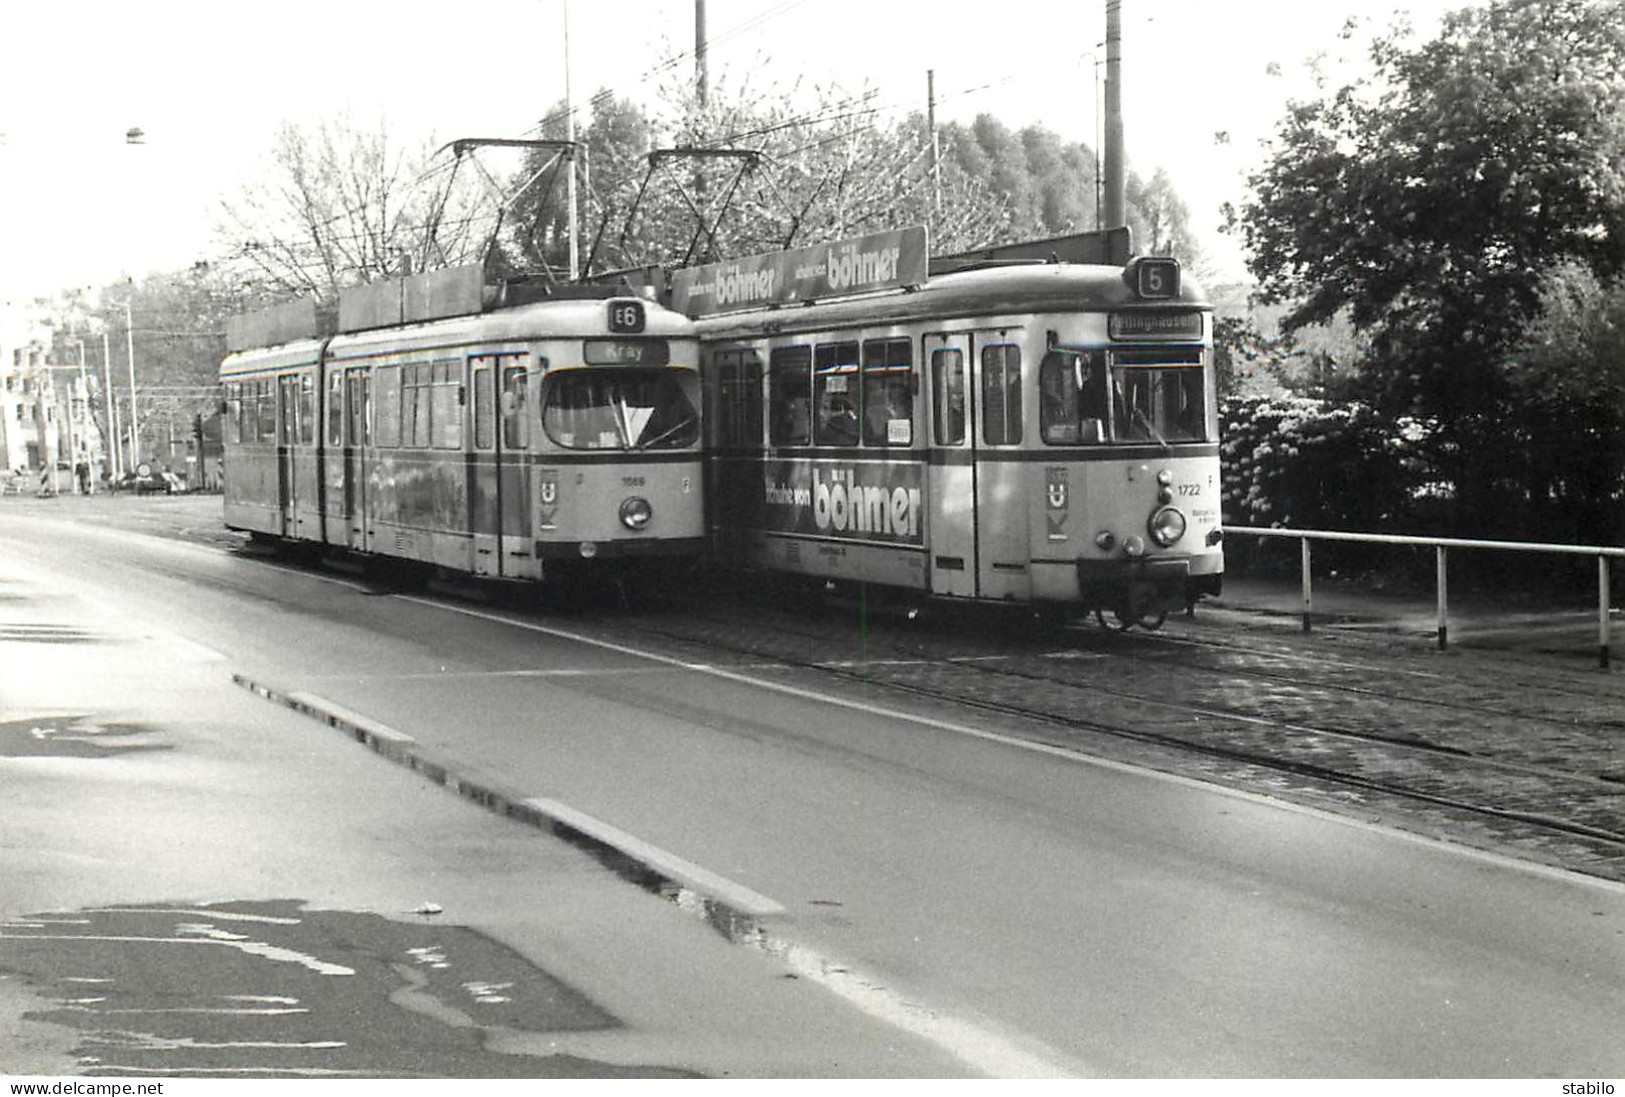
{"points": [[1428, 201], [175, 323], [342, 206], [825, 172], [1160, 219], [617, 137], [1568, 381]]}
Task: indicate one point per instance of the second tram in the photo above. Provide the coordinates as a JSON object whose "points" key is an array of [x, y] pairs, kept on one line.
{"points": [[503, 441], [1024, 431]]}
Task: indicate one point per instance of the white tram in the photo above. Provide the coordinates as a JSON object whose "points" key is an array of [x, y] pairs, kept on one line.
{"points": [[483, 436], [1026, 431]]}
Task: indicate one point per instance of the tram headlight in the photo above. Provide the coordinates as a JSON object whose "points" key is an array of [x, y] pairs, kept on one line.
{"points": [[1166, 526], [1105, 540], [1134, 545], [636, 513]]}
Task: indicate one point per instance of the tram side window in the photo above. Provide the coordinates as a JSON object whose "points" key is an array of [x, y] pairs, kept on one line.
{"points": [[445, 418], [387, 421], [485, 430], [335, 409], [251, 411], [739, 377], [266, 430], [835, 394], [416, 403], [948, 394], [307, 409], [288, 420], [1001, 394], [515, 407], [360, 418], [1072, 398], [231, 423], [888, 393], [790, 395]]}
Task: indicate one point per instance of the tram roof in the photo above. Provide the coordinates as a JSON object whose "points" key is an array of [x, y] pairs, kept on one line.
{"points": [[549, 319], [994, 290]]}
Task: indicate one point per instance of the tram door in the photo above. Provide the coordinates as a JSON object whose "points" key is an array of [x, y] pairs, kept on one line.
{"points": [[517, 536], [287, 437], [499, 474], [1003, 553], [357, 431], [484, 490], [334, 463], [951, 472]]}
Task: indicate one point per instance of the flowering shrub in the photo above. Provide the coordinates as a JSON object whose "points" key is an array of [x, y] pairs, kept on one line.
{"points": [[1307, 463]]}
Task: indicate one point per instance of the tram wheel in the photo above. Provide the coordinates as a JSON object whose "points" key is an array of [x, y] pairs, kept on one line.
{"points": [[1151, 622], [1120, 621]]}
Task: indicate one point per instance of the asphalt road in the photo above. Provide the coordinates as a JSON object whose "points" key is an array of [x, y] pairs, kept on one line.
{"points": [[963, 901]]}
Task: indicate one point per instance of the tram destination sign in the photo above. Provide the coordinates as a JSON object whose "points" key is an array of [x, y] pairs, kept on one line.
{"points": [[881, 260]]}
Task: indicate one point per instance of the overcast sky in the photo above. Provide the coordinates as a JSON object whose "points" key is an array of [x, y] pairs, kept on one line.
{"points": [[208, 83]]}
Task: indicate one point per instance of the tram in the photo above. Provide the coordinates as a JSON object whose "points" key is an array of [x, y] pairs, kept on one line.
{"points": [[994, 428], [475, 429]]}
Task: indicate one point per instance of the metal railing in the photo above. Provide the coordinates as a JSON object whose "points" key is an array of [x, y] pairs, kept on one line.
{"points": [[1440, 545]]}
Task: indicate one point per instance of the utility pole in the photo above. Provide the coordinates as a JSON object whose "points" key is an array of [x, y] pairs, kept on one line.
{"points": [[81, 423], [702, 95], [1115, 213], [701, 76], [113, 445], [45, 418], [931, 124], [135, 415], [570, 152]]}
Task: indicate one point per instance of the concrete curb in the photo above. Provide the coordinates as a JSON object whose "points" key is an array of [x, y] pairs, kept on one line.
{"points": [[736, 916]]}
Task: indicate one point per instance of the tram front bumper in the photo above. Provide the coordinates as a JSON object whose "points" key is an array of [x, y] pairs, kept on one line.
{"points": [[1144, 583], [620, 548]]}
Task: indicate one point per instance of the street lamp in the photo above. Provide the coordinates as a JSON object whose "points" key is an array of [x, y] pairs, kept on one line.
{"points": [[135, 135]]}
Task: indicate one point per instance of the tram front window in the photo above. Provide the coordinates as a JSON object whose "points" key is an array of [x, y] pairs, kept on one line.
{"points": [[621, 409], [1158, 404]]}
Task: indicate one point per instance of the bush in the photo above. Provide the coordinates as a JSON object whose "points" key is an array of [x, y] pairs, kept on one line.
{"points": [[1304, 463]]}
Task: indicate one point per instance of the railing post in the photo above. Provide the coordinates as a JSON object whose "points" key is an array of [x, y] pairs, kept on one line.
{"points": [[1602, 611], [1308, 593], [1444, 609]]}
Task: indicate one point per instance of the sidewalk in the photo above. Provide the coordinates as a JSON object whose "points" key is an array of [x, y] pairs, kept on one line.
{"points": [[1472, 619]]}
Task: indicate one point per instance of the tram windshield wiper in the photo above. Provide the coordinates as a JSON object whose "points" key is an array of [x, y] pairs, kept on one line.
{"points": [[1152, 427], [682, 424], [631, 421]]}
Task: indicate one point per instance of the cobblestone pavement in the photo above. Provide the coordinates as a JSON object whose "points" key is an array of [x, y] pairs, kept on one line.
{"points": [[1517, 751]]}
